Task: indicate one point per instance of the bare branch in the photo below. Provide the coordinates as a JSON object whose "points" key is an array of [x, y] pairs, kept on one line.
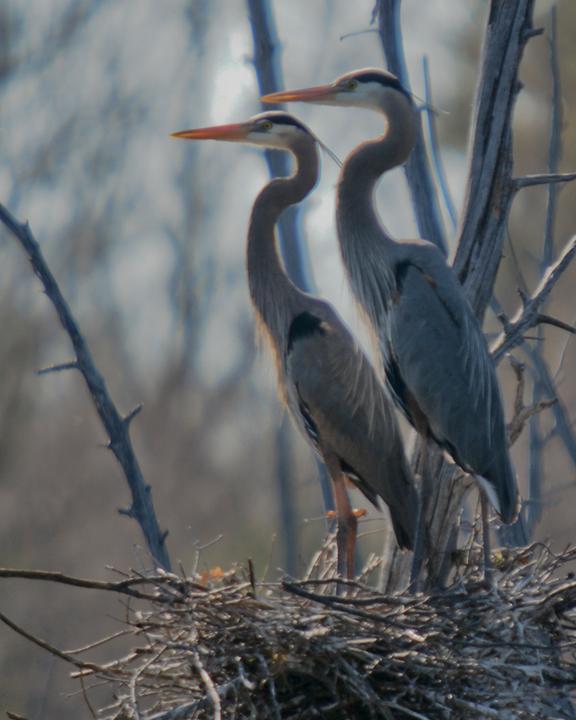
{"points": [[562, 421], [526, 414], [418, 173], [523, 413], [554, 144], [528, 315], [46, 646], [124, 587], [542, 179], [116, 428], [73, 365], [132, 414], [549, 320]]}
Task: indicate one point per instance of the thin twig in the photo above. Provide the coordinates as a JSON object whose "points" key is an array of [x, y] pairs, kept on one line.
{"points": [[46, 646], [73, 365]]}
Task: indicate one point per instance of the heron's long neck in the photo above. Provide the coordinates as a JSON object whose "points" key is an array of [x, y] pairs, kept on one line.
{"points": [[368, 250], [275, 298]]}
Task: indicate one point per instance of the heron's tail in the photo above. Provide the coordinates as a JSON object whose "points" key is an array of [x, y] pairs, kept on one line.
{"points": [[499, 482], [404, 528], [404, 508]]}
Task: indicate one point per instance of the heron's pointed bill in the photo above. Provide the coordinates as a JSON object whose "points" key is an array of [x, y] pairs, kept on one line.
{"points": [[231, 132], [319, 93]]}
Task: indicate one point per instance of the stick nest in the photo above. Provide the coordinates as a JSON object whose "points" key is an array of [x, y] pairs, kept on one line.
{"points": [[232, 648]]}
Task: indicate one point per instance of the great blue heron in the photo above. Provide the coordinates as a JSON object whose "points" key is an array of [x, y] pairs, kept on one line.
{"points": [[327, 383], [436, 359]]}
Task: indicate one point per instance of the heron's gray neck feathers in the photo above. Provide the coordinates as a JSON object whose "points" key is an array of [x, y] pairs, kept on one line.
{"points": [[275, 298], [368, 251]]}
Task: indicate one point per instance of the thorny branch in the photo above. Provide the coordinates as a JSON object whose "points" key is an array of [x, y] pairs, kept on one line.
{"points": [[116, 426]]}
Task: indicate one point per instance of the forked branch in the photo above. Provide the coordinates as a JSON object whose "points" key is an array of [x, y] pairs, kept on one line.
{"points": [[528, 315], [522, 413]]}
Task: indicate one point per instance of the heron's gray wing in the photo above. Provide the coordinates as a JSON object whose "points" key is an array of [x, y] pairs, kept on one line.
{"points": [[439, 358], [339, 403]]}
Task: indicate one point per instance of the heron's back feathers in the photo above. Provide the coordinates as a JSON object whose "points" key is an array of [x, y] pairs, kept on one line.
{"points": [[339, 404], [437, 361]]}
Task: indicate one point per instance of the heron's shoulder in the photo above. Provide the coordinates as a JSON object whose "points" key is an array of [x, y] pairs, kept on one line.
{"points": [[318, 320], [420, 252], [430, 260]]}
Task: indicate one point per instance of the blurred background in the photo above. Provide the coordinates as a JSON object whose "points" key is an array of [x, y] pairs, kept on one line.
{"points": [[146, 238]]}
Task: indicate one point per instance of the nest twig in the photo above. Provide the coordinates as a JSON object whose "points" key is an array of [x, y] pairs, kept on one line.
{"points": [[239, 649]]}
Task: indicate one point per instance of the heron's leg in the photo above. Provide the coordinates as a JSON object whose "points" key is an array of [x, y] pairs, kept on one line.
{"points": [[488, 574], [420, 540], [347, 524]]}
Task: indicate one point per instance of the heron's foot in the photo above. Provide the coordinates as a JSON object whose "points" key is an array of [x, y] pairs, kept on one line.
{"points": [[357, 512]]}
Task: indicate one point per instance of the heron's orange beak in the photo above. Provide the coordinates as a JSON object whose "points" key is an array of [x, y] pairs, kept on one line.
{"points": [[233, 131], [319, 93]]}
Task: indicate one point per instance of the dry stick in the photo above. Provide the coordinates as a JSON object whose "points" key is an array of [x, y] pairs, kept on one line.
{"points": [[171, 584], [550, 178], [117, 427]]}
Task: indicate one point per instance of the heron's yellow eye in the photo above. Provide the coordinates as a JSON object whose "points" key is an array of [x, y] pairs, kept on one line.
{"points": [[267, 125], [352, 84]]}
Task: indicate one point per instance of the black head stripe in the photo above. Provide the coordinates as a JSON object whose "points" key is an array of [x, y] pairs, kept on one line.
{"points": [[385, 79], [283, 118]]}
